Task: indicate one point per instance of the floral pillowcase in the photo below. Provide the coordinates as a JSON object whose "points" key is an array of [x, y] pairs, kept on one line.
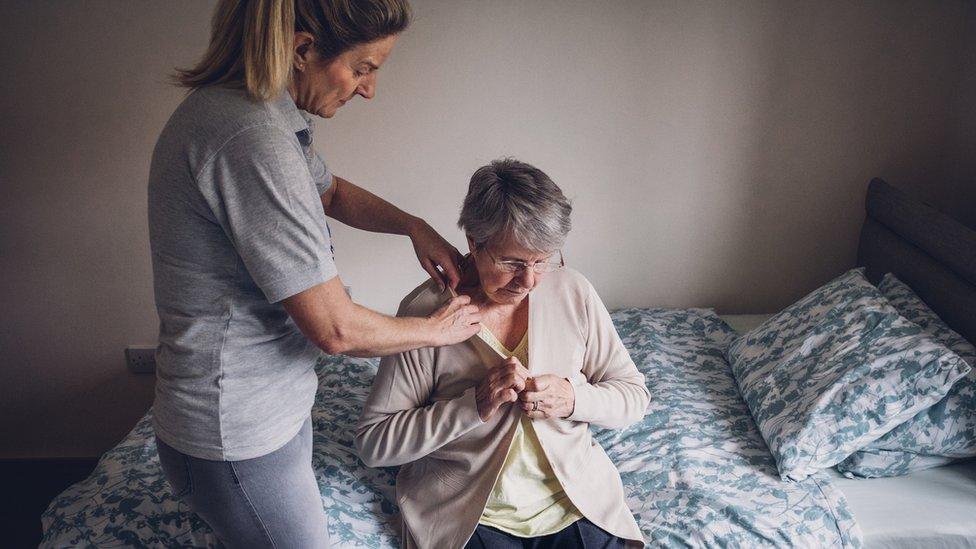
{"points": [[835, 371], [938, 435]]}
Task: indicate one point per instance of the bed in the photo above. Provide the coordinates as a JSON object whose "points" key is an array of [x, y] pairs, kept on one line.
{"points": [[696, 470], [932, 508]]}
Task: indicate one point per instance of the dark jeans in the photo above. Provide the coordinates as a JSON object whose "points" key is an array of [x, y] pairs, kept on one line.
{"points": [[268, 501], [582, 534]]}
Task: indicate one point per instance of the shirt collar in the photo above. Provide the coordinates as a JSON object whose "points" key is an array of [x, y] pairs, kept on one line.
{"points": [[298, 121]]}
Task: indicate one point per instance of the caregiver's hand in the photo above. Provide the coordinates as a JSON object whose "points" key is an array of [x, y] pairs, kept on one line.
{"points": [[455, 321], [548, 396], [500, 386], [433, 251]]}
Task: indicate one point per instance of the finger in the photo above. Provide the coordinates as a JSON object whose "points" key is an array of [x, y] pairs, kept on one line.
{"points": [[514, 381], [517, 383], [498, 373], [497, 393], [509, 395], [472, 313], [534, 415], [519, 379], [455, 309], [471, 329], [515, 367], [507, 380], [542, 382], [471, 321], [451, 272], [433, 272], [450, 307], [531, 396]]}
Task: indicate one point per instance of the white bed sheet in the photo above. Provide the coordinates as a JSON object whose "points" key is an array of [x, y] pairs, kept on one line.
{"points": [[934, 509]]}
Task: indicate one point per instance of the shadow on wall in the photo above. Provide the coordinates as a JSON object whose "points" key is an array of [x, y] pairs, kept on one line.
{"points": [[962, 154], [836, 99]]}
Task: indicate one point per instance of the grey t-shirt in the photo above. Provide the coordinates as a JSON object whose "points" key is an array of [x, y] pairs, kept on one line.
{"points": [[235, 226]]}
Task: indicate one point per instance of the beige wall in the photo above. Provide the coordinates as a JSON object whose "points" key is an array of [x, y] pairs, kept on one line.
{"points": [[717, 153]]}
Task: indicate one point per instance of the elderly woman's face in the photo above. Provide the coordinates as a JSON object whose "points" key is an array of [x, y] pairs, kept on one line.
{"points": [[324, 86], [500, 286]]}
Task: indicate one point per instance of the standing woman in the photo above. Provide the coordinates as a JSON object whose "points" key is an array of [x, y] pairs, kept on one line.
{"points": [[246, 288]]}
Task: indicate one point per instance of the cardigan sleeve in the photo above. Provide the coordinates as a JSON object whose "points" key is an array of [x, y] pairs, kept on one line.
{"points": [[612, 394], [398, 425]]}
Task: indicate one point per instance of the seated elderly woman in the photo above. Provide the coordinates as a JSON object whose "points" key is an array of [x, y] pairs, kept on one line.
{"points": [[493, 433]]}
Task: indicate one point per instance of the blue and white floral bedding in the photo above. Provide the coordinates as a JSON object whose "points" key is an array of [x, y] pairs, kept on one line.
{"points": [[696, 471], [836, 370]]}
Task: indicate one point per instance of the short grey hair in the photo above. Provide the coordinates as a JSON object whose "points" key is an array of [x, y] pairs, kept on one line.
{"points": [[512, 197]]}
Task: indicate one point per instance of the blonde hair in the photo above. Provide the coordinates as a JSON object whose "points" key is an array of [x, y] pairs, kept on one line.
{"points": [[251, 41]]}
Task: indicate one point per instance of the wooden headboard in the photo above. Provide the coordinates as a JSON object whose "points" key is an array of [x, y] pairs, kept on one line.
{"points": [[926, 249]]}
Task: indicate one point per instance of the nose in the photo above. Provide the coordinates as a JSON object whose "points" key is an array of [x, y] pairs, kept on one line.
{"points": [[526, 278], [367, 88]]}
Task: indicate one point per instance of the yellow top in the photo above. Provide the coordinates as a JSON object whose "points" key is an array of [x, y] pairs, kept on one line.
{"points": [[527, 500]]}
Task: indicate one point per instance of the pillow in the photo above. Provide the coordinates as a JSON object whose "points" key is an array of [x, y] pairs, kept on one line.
{"points": [[935, 436], [835, 371]]}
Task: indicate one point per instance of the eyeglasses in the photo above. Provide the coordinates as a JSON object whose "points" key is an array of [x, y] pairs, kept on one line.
{"points": [[539, 267]]}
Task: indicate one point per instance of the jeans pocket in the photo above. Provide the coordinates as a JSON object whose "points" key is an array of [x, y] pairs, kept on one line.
{"points": [[176, 468]]}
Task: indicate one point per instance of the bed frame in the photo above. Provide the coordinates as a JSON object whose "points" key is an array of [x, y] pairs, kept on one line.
{"points": [[926, 249]]}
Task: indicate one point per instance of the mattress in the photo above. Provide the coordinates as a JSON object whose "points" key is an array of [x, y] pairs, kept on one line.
{"points": [[935, 508]]}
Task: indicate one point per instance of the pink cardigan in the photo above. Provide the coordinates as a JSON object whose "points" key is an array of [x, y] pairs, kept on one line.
{"points": [[421, 414]]}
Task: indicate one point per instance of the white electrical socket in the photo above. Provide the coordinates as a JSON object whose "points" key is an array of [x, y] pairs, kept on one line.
{"points": [[141, 359]]}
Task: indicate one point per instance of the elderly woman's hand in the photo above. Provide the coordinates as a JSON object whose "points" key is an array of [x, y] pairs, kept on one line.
{"points": [[548, 396], [433, 251], [502, 385]]}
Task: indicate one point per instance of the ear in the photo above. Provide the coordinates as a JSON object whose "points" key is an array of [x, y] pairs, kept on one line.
{"points": [[303, 51], [471, 245]]}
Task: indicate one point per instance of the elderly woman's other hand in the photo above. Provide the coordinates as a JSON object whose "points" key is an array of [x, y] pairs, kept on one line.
{"points": [[501, 386], [548, 396]]}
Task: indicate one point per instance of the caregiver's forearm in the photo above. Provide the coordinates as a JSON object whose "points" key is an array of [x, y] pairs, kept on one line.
{"points": [[361, 209], [366, 333], [327, 317]]}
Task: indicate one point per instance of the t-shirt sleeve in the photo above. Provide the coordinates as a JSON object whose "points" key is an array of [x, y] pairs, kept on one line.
{"points": [[321, 174], [264, 194]]}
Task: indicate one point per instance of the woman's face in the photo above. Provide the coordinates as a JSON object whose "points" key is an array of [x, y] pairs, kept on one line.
{"points": [[499, 286], [324, 86]]}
